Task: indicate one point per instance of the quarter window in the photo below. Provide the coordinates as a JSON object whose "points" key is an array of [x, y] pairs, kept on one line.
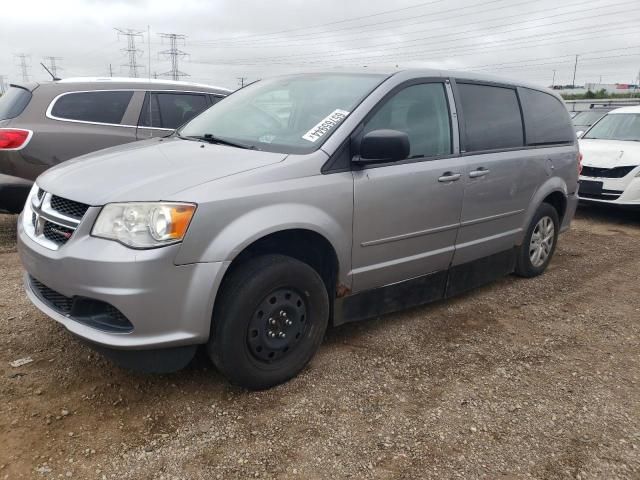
{"points": [[170, 110], [492, 118], [422, 112], [100, 107], [546, 119]]}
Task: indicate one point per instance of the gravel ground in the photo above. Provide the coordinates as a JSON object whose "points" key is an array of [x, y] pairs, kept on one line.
{"points": [[523, 378]]}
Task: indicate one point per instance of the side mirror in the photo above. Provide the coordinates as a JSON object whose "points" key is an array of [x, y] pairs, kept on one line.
{"points": [[380, 146], [579, 133]]}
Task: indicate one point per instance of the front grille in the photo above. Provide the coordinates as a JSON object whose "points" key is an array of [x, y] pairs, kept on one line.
{"points": [[617, 172], [88, 311], [56, 233], [53, 219], [68, 207], [605, 195], [55, 300]]}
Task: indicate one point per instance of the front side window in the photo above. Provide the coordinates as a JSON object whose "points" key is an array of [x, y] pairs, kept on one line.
{"points": [[170, 110], [100, 107], [422, 112], [492, 119], [587, 118], [293, 114], [617, 126]]}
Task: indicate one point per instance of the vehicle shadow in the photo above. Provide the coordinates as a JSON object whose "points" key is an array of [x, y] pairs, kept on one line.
{"points": [[609, 214]]}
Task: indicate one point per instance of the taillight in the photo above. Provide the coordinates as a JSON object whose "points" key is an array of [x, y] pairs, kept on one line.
{"points": [[14, 138], [579, 163]]}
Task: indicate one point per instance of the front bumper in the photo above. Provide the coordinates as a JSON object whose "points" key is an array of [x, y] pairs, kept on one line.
{"points": [[168, 305], [627, 187]]}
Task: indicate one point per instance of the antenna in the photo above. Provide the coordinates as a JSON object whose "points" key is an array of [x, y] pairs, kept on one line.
{"points": [[131, 50], [53, 68], [174, 54], [53, 77]]}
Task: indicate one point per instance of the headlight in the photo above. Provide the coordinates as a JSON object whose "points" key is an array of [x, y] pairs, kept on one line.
{"points": [[144, 225]]}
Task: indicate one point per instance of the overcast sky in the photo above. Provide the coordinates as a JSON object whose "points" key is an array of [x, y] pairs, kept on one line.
{"points": [[227, 39]]}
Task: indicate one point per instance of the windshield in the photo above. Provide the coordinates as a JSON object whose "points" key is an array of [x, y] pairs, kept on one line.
{"points": [[617, 126], [13, 102], [587, 118], [287, 114]]}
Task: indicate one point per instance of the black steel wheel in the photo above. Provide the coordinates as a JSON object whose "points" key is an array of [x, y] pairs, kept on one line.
{"points": [[269, 321]]}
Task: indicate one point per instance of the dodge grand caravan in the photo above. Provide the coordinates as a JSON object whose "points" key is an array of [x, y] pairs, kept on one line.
{"points": [[295, 203]]}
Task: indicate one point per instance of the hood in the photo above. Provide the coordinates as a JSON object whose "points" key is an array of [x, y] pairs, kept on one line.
{"points": [[609, 153], [149, 170]]}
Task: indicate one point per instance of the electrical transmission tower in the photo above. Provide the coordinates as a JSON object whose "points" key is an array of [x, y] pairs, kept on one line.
{"points": [[2, 87], [53, 66], [24, 66], [174, 54], [241, 81], [131, 50]]}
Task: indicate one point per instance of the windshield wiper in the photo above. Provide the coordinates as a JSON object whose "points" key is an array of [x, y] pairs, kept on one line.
{"points": [[208, 137]]}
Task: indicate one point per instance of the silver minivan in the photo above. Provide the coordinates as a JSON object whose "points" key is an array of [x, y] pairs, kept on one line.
{"points": [[297, 203]]}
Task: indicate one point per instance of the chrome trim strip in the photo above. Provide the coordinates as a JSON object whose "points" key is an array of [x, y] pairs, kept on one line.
{"points": [[49, 115], [490, 218], [409, 235], [43, 211]]}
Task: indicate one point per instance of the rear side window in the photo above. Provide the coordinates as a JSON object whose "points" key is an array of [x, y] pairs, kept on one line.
{"points": [[546, 119], [492, 119], [170, 110], [100, 107], [13, 102]]}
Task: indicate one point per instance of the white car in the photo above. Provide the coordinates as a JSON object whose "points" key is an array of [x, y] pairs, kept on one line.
{"points": [[611, 159]]}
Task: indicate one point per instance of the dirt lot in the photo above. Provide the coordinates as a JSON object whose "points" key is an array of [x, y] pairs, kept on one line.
{"points": [[524, 378]]}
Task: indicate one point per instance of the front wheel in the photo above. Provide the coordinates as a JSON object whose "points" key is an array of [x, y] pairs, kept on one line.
{"points": [[269, 321], [539, 243]]}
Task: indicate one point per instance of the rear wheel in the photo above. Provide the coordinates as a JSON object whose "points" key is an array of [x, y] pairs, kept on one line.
{"points": [[539, 243], [269, 321]]}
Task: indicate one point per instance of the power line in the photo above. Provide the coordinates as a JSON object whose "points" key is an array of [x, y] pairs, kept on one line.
{"points": [[52, 64], [24, 66], [174, 54], [297, 29], [477, 33], [477, 47], [131, 50]]}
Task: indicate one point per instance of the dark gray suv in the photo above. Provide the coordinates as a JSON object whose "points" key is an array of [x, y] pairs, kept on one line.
{"points": [[44, 124]]}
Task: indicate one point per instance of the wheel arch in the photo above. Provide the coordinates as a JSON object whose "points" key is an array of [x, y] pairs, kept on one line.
{"points": [[554, 192]]}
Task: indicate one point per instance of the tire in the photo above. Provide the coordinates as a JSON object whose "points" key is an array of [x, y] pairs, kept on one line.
{"points": [[269, 321], [527, 264]]}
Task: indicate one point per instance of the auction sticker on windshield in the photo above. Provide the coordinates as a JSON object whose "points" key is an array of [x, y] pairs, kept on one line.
{"points": [[325, 125]]}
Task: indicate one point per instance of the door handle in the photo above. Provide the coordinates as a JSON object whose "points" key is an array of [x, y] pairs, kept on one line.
{"points": [[481, 172], [449, 177]]}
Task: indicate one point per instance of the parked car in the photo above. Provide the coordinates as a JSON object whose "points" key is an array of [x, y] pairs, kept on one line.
{"points": [[611, 168], [44, 124], [251, 228], [583, 120]]}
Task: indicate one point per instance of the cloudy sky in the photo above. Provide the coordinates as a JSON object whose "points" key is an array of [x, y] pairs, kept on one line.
{"points": [[227, 39]]}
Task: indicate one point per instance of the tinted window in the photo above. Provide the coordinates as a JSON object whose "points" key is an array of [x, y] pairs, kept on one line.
{"points": [[215, 99], [492, 117], [13, 102], [170, 110], [101, 107], [546, 119], [421, 111]]}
